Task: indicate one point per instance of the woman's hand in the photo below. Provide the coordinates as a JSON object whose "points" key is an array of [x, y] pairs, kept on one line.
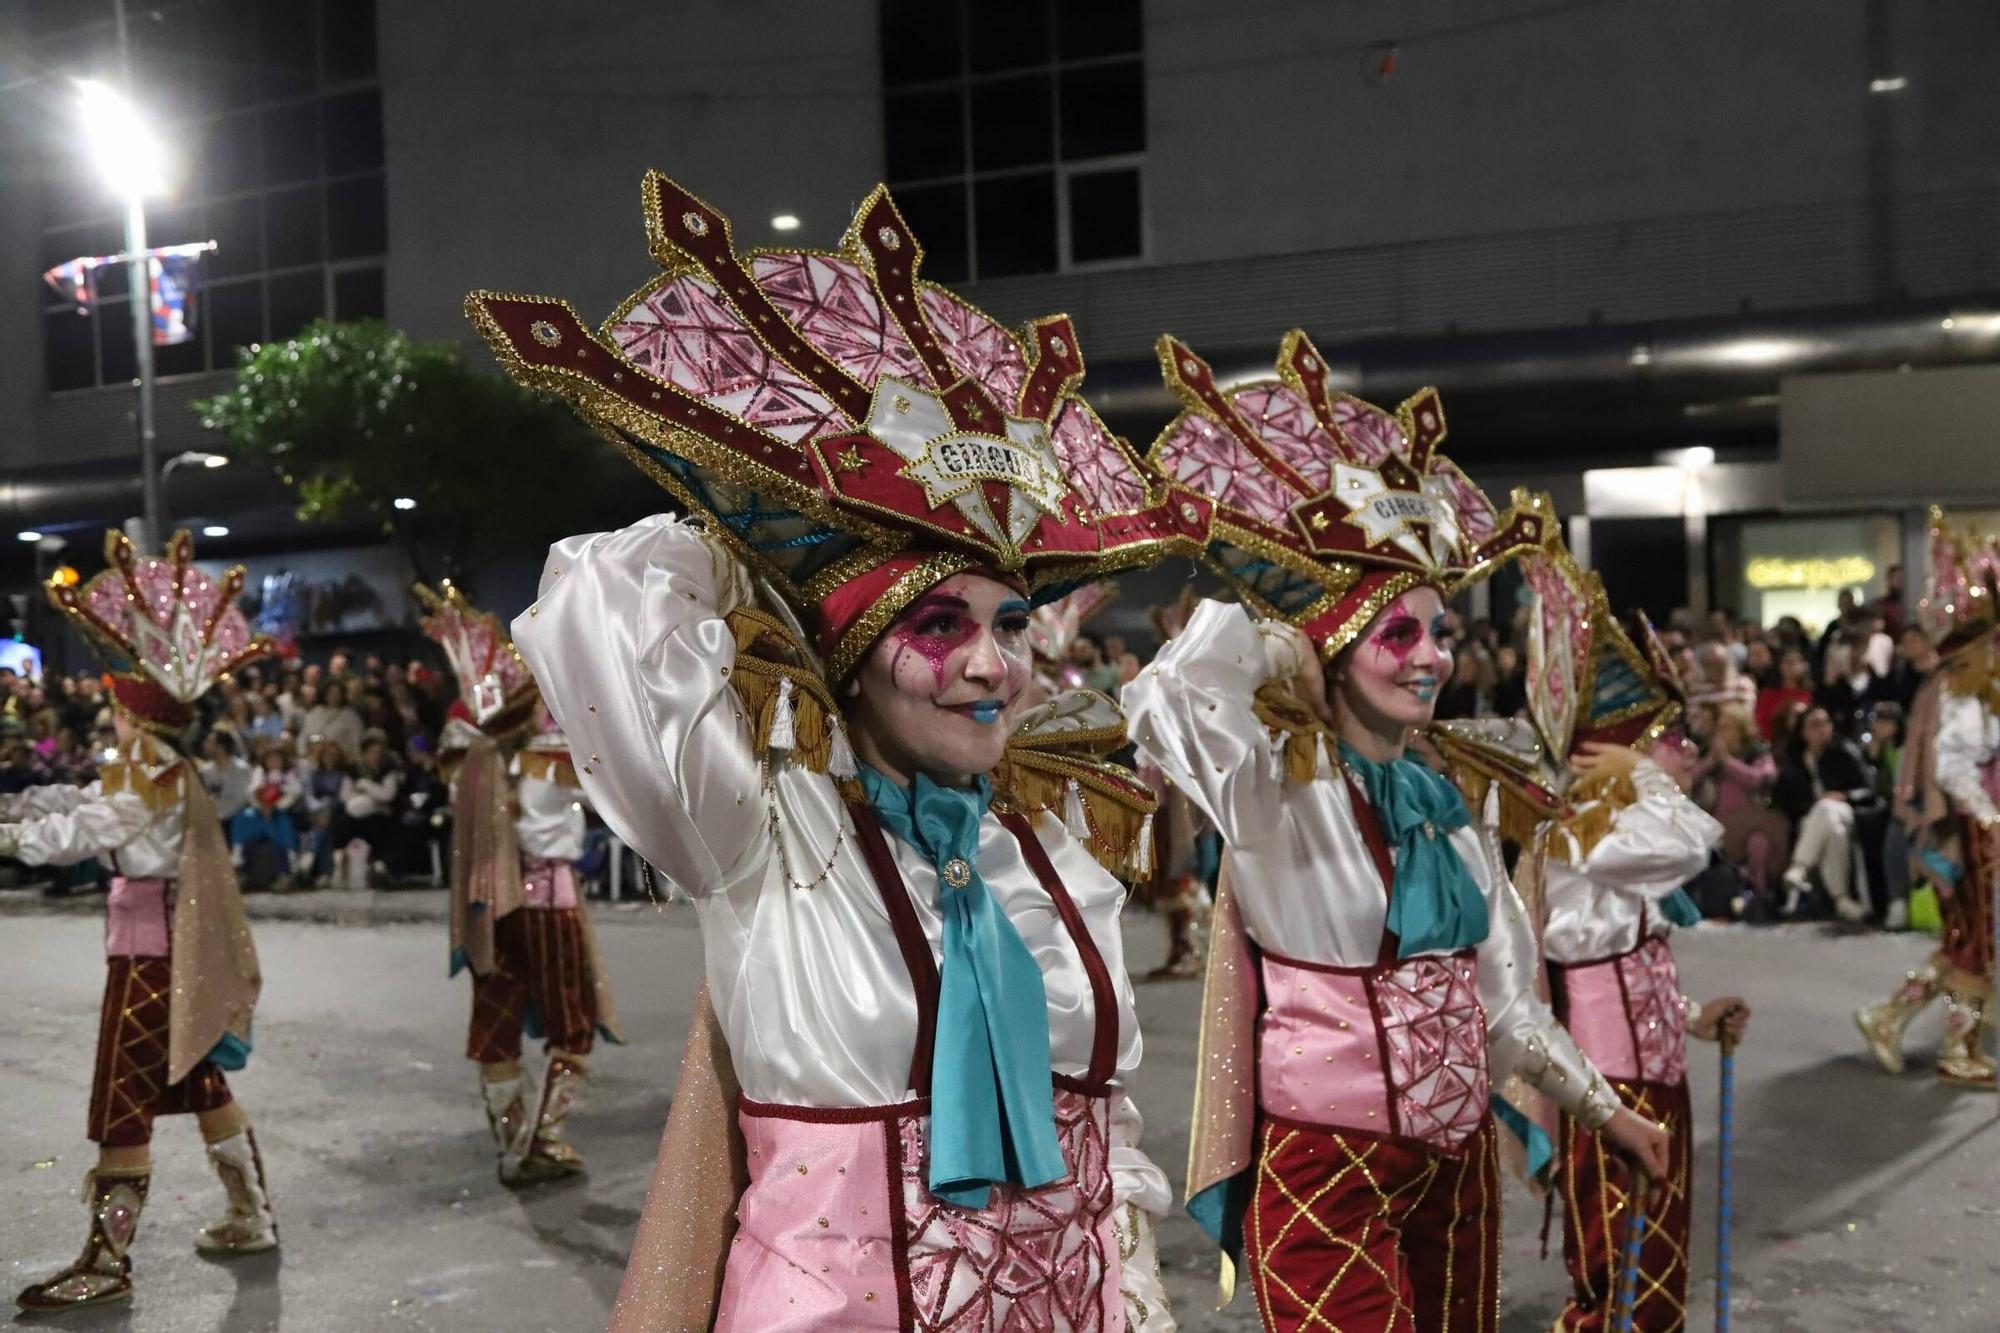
{"points": [[1642, 1142], [1727, 1013], [1599, 759]]}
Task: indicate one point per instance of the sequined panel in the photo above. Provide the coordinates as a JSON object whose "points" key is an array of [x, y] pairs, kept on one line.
{"points": [[1286, 424], [1561, 642], [1435, 1029], [1478, 521], [1031, 1259], [1096, 467], [129, 1087], [1653, 1003], [976, 345], [1371, 434], [1210, 460], [833, 304], [686, 334]]}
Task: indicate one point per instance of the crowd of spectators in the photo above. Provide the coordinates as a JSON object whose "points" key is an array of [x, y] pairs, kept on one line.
{"points": [[321, 772]]}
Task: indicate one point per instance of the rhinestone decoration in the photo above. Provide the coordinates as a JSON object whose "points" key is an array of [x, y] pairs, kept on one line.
{"points": [[890, 240], [1059, 345], [957, 873], [696, 224], [547, 334]]}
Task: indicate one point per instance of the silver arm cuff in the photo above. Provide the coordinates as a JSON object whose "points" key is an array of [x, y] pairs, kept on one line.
{"points": [[1552, 1065]]}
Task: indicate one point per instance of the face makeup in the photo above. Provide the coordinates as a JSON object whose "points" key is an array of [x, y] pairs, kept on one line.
{"points": [[1388, 681]]}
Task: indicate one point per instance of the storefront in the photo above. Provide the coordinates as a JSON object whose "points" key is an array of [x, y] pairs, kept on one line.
{"points": [[1765, 568]]}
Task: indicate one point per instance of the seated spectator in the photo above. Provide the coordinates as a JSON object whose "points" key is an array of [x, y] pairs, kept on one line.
{"points": [[226, 775], [325, 821], [1822, 786], [1734, 777], [268, 817], [368, 799], [1882, 747], [1794, 687]]}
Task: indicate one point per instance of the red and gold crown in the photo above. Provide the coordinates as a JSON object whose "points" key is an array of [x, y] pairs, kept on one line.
{"points": [[1588, 679], [177, 629], [496, 691], [1327, 508], [1960, 607], [857, 434]]}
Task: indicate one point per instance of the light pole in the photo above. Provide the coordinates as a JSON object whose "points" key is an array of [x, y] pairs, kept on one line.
{"points": [[128, 158]]}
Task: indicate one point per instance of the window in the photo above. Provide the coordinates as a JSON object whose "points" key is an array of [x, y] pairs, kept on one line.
{"points": [[1014, 132], [278, 115]]}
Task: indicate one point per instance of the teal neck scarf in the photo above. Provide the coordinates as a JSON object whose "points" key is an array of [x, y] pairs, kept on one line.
{"points": [[1435, 905], [992, 1107], [1679, 909]]}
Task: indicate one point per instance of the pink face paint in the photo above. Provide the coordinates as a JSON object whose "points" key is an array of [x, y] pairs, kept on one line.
{"points": [[935, 627]]}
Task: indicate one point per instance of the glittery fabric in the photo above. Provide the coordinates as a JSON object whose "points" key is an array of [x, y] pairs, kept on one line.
{"points": [[1352, 1234], [130, 1086], [541, 980], [1435, 1030], [1968, 912], [1222, 1137], [216, 976], [673, 1279], [1031, 1259], [1593, 1182], [485, 856]]}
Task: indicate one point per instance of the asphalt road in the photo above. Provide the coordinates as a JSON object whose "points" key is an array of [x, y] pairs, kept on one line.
{"points": [[1866, 1204]]}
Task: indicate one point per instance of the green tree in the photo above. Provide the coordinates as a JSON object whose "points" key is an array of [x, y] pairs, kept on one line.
{"points": [[354, 417]]}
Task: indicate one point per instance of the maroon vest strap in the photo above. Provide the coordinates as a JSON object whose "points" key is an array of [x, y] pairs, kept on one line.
{"points": [[1103, 998], [910, 938], [1370, 823]]}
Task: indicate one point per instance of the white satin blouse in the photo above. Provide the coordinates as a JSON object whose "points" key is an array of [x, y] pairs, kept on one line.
{"points": [[61, 825], [549, 822], [1305, 883], [1968, 738], [630, 647], [1655, 845]]}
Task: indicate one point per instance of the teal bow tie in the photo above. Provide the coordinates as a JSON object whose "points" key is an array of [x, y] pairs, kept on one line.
{"points": [[992, 1107], [1435, 905]]}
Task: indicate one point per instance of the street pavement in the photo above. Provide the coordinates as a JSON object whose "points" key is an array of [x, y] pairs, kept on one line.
{"points": [[1866, 1204]]}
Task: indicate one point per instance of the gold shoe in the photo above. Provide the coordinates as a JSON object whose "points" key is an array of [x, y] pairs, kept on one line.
{"points": [[249, 1227], [103, 1272], [1882, 1024], [1961, 1059], [550, 1156]]}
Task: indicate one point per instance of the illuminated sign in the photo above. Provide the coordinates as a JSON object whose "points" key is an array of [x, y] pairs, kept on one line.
{"points": [[1844, 571]]}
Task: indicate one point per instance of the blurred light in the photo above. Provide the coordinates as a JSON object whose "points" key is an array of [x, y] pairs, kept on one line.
{"points": [[1894, 83], [215, 530], [1759, 351], [1691, 458], [1984, 325], [404, 502], [121, 143], [1642, 355], [785, 222], [215, 461], [27, 535], [65, 577]]}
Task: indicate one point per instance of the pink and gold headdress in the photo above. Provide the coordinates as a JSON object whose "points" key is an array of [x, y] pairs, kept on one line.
{"points": [[496, 691], [856, 433], [178, 629], [1327, 508]]}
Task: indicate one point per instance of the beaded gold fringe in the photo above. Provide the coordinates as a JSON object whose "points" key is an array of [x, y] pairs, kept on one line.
{"points": [[1596, 802], [1974, 672], [1116, 805], [767, 656], [549, 766], [1282, 711]]}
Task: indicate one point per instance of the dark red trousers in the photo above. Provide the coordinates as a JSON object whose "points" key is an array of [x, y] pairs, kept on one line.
{"points": [[1594, 1182], [129, 1086], [1364, 1235], [540, 983]]}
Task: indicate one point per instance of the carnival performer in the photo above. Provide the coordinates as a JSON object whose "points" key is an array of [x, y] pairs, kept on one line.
{"points": [[1604, 704], [517, 921], [1052, 630], [803, 704], [1369, 959], [1185, 845], [1953, 757], [181, 974]]}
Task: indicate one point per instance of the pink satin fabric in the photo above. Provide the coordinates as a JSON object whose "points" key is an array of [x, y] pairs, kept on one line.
{"points": [[1625, 1014], [135, 921], [818, 1247], [548, 884], [1398, 1050]]}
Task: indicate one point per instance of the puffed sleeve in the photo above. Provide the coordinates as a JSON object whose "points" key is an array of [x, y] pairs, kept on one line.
{"points": [[1190, 714], [50, 800], [633, 655], [1657, 843], [1957, 754], [1522, 1035], [91, 826]]}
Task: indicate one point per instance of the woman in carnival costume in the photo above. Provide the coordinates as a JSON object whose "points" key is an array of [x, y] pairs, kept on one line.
{"points": [[181, 971], [517, 921], [1612, 864], [1953, 759], [1370, 966], [803, 703]]}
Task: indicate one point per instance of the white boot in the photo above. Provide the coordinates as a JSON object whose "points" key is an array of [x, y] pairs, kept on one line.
{"points": [[510, 1113], [249, 1226]]}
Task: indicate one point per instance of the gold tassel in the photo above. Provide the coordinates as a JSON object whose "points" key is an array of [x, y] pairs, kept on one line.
{"points": [[1282, 712], [1595, 803]]}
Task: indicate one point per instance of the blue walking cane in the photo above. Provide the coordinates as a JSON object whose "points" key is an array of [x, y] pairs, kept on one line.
{"points": [[1725, 1152], [1625, 1297]]}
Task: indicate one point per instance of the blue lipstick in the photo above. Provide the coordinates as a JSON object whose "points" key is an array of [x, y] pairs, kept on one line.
{"points": [[986, 710]]}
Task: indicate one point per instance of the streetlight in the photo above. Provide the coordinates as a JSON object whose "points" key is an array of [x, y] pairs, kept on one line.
{"points": [[129, 158], [194, 458]]}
